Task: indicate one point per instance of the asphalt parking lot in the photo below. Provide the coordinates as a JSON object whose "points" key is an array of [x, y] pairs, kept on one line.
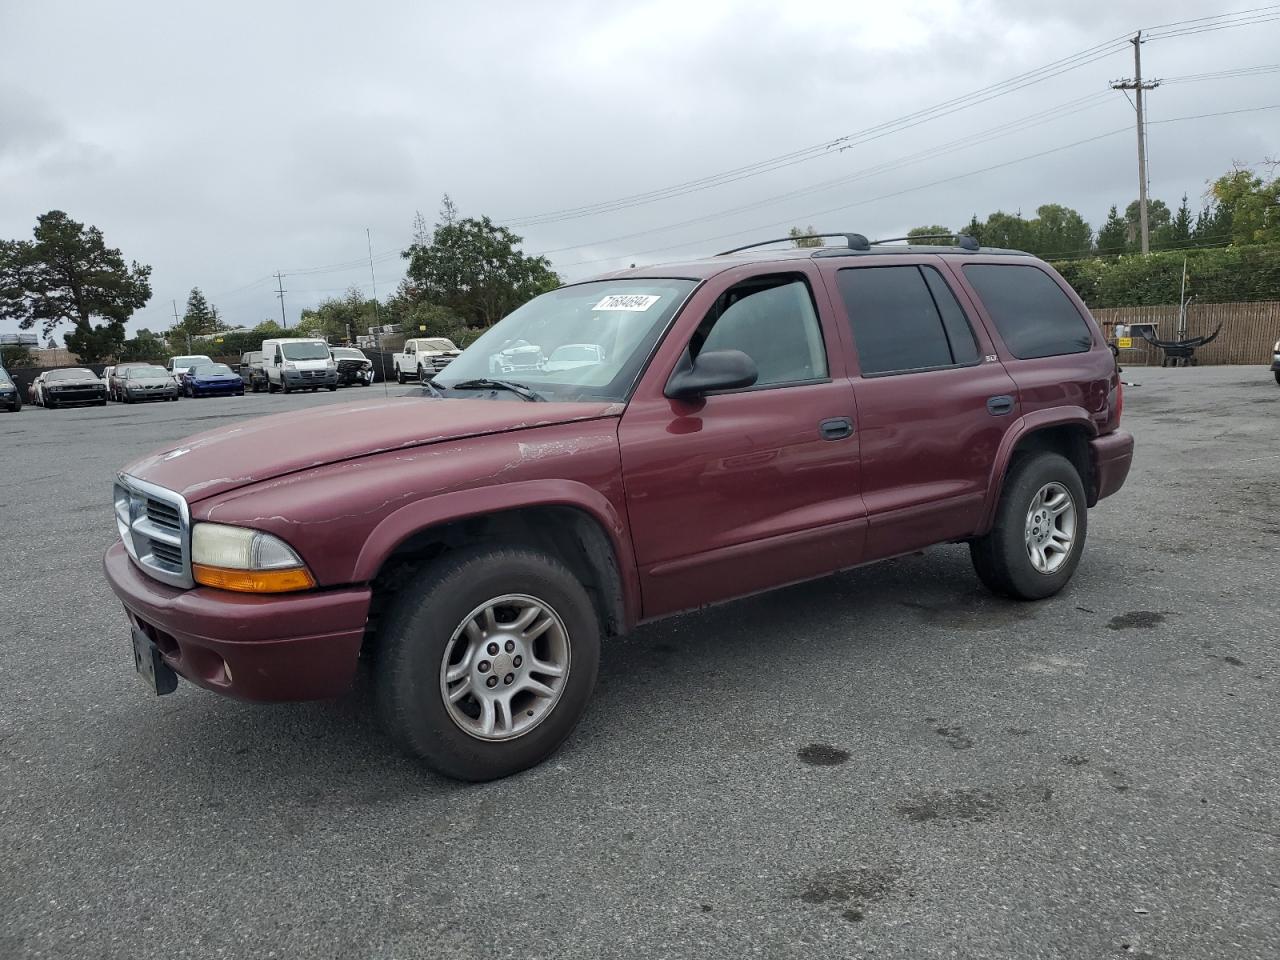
{"points": [[886, 763]]}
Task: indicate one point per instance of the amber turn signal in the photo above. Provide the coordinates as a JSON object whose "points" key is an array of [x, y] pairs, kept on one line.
{"points": [[253, 581]]}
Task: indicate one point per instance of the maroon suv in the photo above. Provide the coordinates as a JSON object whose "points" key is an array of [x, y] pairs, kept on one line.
{"points": [[744, 422]]}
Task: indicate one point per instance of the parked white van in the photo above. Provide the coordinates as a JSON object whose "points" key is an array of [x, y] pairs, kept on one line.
{"points": [[298, 364]]}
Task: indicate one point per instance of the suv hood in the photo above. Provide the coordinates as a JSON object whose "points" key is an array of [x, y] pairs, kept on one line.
{"points": [[251, 451]]}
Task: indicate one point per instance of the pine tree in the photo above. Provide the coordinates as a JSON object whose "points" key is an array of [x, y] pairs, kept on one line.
{"points": [[1114, 235]]}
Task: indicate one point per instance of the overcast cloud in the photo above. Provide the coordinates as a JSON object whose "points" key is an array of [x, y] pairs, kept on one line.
{"points": [[224, 142]]}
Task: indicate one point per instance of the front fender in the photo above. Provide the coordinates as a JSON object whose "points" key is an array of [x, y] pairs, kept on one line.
{"points": [[460, 505]]}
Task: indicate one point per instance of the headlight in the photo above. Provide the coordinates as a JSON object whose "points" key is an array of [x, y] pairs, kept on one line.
{"points": [[249, 561], [288, 365]]}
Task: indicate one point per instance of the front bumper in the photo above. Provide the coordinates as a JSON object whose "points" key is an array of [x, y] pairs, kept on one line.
{"points": [[311, 378], [1275, 363], [354, 375], [1111, 456], [163, 393], [297, 646], [76, 395], [218, 387]]}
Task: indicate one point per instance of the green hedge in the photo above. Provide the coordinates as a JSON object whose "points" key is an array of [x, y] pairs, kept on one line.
{"points": [[1222, 275]]}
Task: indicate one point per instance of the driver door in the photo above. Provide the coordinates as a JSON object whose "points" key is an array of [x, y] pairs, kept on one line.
{"points": [[744, 490]]}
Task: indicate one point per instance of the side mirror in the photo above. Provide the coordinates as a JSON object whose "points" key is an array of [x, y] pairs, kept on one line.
{"points": [[716, 370]]}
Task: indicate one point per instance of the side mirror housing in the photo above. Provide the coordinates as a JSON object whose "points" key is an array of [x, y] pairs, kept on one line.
{"points": [[715, 370]]}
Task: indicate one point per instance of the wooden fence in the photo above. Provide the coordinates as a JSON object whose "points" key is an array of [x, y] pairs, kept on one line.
{"points": [[1249, 330]]}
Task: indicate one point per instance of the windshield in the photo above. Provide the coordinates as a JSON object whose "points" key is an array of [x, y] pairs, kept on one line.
{"points": [[75, 373], [436, 343], [610, 326], [211, 369], [348, 353], [190, 361], [146, 373], [305, 351]]}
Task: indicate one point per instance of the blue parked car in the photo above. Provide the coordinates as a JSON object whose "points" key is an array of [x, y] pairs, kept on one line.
{"points": [[211, 380]]}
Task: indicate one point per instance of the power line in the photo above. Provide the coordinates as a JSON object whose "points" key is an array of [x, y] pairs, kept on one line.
{"points": [[977, 139], [973, 98], [819, 213], [1175, 28]]}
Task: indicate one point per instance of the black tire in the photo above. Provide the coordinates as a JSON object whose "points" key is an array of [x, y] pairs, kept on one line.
{"points": [[50, 405], [365, 383], [284, 386], [333, 388], [417, 634], [399, 376], [1001, 558], [1278, 376]]}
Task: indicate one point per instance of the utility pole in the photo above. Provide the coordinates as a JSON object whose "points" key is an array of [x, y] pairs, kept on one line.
{"points": [[176, 322], [280, 292], [1138, 86]]}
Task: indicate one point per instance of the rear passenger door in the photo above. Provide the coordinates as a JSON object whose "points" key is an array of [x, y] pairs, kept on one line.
{"points": [[1056, 356], [933, 402]]}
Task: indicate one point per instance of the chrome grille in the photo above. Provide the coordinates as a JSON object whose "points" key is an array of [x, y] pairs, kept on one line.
{"points": [[155, 526]]}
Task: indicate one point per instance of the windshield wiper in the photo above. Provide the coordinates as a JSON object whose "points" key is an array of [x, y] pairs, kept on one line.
{"points": [[485, 383]]}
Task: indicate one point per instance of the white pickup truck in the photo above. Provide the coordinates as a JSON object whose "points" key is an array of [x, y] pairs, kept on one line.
{"points": [[423, 357]]}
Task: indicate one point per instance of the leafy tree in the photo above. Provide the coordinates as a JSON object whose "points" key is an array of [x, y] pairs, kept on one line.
{"points": [[1254, 205], [473, 268], [919, 235], [801, 237], [340, 318], [1158, 216], [145, 346], [1007, 230], [1113, 238], [68, 274], [1059, 231], [198, 320], [18, 355]]}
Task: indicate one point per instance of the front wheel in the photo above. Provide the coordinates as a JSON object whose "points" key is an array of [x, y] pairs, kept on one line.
{"points": [[399, 376], [1040, 529], [488, 661], [1278, 376]]}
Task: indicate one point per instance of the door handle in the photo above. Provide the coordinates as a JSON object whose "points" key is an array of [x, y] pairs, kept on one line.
{"points": [[836, 428], [999, 406]]}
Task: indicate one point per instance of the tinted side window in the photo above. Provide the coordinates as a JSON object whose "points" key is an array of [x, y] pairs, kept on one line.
{"points": [[896, 319], [1034, 317], [771, 320]]}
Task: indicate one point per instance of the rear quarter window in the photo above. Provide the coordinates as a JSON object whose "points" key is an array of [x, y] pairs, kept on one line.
{"points": [[1033, 315]]}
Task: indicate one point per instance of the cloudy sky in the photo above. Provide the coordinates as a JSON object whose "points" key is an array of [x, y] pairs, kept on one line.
{"points": [[222, 143]]}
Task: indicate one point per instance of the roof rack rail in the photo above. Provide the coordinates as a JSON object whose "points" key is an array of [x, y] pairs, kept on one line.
{"points": [[963, 240], [854, 241]]}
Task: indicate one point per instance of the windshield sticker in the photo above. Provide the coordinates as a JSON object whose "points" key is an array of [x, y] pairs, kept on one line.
{"points": [[632, 302]]}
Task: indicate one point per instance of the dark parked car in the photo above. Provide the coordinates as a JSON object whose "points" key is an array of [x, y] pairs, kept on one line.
{"points": [[10, 398], [211, 380], [71, 385], [353, 366], [1275, 360], [137, 384], [756, 419], [252, 370]]}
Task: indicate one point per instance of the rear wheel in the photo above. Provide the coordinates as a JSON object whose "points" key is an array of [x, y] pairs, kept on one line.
{"points": [[1039, 532], [487, 662]]}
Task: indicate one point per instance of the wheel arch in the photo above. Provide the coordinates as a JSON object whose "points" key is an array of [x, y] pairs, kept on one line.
{"points": [[1063, 430], [587, 537]]}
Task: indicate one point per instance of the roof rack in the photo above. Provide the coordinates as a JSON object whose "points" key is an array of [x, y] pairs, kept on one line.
{"points": [[963, 240], [854, 241]]}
